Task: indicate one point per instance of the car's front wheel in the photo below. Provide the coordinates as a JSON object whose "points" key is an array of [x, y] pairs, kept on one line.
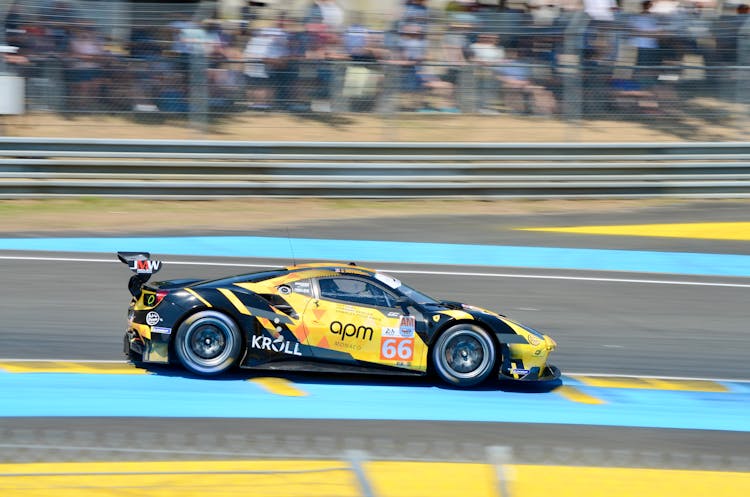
{"points": [[208, 343], [464, 355]]}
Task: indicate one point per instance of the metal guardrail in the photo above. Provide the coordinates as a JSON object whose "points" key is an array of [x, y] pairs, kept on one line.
{"points": [[46, 167]]}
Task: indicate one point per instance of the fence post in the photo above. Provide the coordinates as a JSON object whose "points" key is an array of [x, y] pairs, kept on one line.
{"points": [[53, 71], [356, 458], [467, 90], [387, 106], [571, 72], [339, 102], [198, 78], [499, 457]]}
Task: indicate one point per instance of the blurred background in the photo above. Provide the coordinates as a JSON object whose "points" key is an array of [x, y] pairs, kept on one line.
{"points": [[606, 138], [556, 70]]}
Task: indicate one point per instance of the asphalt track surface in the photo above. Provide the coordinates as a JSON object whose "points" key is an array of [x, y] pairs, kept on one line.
{"points": [[672, 325], [76, 310]]}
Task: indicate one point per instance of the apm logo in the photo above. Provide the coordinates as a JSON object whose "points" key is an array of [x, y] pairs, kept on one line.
{"points": [[145, 266], [350, 330]]}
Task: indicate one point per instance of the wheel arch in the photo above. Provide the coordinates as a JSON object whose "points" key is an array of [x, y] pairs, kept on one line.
{"points": [[499, 349], [201, 308]]}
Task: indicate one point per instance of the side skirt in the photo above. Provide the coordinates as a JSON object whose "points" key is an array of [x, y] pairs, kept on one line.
{"points": [[317, 367]]}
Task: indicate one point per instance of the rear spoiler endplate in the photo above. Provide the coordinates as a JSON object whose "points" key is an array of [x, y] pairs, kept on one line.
{"points": [[143, 267]]}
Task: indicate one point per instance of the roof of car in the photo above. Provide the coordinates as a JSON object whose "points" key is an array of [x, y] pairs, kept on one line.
{"points": [[339, 267]]}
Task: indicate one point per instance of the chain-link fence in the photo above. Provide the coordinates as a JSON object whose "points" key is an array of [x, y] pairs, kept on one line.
{"points": [[118, 68]]}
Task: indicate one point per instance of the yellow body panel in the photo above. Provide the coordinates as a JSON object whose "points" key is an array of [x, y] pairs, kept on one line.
{"points": [[365, 333]]}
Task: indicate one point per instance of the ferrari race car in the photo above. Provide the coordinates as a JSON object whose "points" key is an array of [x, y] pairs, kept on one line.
{"points": [[323, 317]]}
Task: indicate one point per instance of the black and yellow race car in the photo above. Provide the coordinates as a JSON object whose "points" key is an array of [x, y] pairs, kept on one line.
{"points": [[324, 317]]}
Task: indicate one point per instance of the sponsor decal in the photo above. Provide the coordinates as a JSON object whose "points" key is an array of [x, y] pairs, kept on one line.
{"points": [[436, 317], [396, 349], [393, 314], [285, 290], [538, 352], [518, 371], [360, 312], [348, 309], [302, 287], [358, 272], [278, 344], [149, 299], [351, 330], [389, 331], [353, 346], [407, 326], [145, 266], [533, 340], [152, 318], [163, 331], [397, 343]]}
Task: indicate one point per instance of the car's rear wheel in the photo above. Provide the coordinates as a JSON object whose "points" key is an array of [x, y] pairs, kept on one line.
{"points": [[208, 343], [464, 355]]}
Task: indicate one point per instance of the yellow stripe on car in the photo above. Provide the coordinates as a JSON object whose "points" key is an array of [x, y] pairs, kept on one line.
{"points": [[201, 299], [236, 302]]}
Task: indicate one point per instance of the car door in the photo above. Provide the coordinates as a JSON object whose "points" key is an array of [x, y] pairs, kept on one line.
{"points": [[352, 319]]}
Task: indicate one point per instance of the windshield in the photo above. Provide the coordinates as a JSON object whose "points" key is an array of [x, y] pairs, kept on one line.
{"points": [[406, 290], [416, 295]]}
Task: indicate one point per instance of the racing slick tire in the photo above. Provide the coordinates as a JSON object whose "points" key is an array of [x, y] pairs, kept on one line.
{"points": [[208, 343], [464, 355]]}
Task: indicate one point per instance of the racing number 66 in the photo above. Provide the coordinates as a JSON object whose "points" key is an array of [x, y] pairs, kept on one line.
{"points": [[397, 349]]}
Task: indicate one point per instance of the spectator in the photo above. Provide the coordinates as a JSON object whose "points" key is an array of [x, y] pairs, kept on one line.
{"points": [[363, 80], [224, 85], [416, 81], [86, 70], [144, 43], [520, 92], [326, 12], [490, 56], [487, 52], [645, 32], [416, 12], [728, 29], [455, 54], [265, 56], [326, 50], [600, 10]]}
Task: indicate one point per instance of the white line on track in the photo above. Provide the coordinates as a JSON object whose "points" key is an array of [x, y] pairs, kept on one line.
{"points": [[566, 373], [414, 271]]}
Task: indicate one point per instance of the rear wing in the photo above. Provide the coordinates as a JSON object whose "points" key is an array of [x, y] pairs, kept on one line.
{"points": [[143, 267]]}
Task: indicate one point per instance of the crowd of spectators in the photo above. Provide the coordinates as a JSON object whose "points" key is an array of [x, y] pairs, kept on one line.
{"points": [[465, 57]]}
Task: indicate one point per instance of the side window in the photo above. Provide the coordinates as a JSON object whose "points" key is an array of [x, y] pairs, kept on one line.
{"points": [[354, 290]]}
